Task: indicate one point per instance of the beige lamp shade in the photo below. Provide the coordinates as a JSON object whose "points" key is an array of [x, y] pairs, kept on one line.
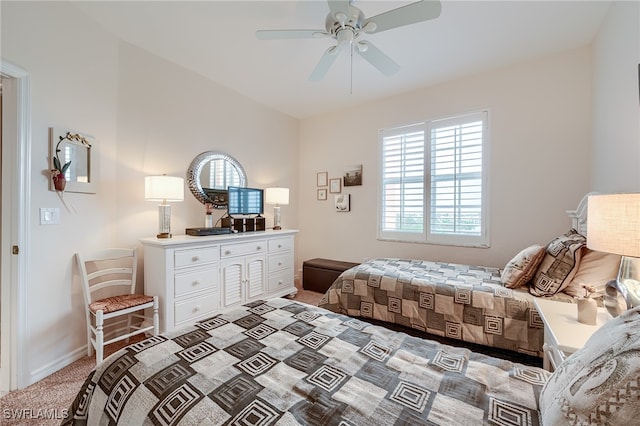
{"points": [[613, 224], [277, 196], [163, 188]]}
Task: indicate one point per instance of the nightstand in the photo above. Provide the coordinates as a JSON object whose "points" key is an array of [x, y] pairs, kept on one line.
{"points": [[563, 334]]}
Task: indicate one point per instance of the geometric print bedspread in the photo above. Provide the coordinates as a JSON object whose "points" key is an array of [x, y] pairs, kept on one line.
{"points": [[279, 362], [461, 302]]}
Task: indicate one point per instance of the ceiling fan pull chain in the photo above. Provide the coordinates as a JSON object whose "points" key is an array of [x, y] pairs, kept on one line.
{"points": [[351, 73]]}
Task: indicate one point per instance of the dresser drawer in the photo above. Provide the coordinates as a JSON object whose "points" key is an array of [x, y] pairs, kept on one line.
{"points": [[195, 280], [193, 257], [242, 249], [280, 261], [280, 244], [280, 281], [190, 309]]}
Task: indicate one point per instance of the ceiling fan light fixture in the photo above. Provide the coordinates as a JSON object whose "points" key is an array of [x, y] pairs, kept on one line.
{"points": [[345, 36], [362, 46], [369, 27]]}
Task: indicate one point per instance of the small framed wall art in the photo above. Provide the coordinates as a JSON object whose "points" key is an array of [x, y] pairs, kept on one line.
{"points": [[322, 194], [321, 178], [335, 185], [353, 175], [343, 202]]}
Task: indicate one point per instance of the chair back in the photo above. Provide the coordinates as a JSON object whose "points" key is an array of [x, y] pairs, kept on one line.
{"points": [[107, 272]]}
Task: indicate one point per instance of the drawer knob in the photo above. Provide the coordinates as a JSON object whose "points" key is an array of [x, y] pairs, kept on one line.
{"points": [[279, 263], [279, 245], [258, 248], [195, 258], [195, 309], [227, 252], [195, 283]]}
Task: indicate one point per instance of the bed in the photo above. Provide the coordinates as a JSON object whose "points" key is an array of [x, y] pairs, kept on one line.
{"points": [[476, 304], [278, 362], [288, 363]]}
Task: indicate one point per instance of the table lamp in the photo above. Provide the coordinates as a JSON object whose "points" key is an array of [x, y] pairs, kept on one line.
{"points": [[278, 197], [164, 188], [613, 226]]}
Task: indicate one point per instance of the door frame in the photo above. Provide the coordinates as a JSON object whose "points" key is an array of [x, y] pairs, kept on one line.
{"points": [[15, 222]]}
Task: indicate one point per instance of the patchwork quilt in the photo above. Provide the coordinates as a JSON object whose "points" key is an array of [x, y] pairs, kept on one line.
{"points": [[287, 363], [461, 302]]}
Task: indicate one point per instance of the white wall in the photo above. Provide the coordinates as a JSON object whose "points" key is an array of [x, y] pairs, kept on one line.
{"points": [[615, 161], [540, 124], [148, 116]]}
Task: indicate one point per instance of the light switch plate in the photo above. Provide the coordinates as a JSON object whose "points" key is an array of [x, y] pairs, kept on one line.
{"points": [[49, 216]]}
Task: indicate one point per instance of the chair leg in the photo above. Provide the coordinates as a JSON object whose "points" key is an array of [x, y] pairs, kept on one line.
{"points": [[89, 344], [156, 318], [99, 337]]}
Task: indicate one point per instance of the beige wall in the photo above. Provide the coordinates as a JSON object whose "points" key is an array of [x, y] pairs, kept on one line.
{"points": [[148, 116], [73, 69], [540, 124], [615, 156]]}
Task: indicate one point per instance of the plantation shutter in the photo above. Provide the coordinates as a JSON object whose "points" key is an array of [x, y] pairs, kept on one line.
{"points": [[433, 182], [456, 201], [402, 183]]}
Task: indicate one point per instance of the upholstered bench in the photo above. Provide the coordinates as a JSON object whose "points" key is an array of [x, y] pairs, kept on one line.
{"points": [[318, 274]]}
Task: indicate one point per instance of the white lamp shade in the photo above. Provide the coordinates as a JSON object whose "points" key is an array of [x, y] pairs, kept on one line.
{"points": [[613, 224], [277, 196], [163, 188]]}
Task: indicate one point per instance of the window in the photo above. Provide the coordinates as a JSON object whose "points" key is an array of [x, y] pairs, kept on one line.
{"points": [[433, 181]]}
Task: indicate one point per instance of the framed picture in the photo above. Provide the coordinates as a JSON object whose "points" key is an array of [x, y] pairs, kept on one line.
{"points": [[343, 202], [321, 179], [322, 194], [353, 175], [335, 185]]}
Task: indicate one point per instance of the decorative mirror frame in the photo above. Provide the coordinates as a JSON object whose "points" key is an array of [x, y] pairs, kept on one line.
{"points": [[198, 163], [89, 187]]}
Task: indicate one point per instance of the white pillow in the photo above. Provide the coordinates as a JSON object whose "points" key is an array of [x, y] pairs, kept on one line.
{"points": [[596, 269]]}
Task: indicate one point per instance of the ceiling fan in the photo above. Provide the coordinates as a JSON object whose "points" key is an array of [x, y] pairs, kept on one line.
{"points": [[346, 23]]}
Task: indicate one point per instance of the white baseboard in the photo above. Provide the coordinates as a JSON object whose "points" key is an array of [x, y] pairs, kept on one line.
{"points": [[56, 365]]}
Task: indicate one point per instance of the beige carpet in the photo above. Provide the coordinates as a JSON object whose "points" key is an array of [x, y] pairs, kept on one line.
{"points": [[46, 402]]}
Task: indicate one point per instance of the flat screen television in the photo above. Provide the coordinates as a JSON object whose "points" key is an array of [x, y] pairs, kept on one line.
{"points": [[245, 201]]}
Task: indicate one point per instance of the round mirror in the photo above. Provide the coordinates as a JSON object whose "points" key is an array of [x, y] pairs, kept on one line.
{"points": [[209, 175]]}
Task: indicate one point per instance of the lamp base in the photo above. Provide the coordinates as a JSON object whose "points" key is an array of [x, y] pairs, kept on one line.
{"points": [[276, 218], [164, 235]]}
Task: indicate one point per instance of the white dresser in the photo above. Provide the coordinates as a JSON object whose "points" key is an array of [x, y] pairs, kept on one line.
{"points": [[195, 277]]}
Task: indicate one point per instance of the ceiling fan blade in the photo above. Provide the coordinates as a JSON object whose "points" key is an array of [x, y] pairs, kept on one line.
{"points": [[339, 6], [327, 59], [406, 15], [377, 58], [282, 34]]}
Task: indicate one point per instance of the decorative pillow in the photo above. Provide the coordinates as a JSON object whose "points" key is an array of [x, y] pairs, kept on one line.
{"points": [[521, 268], [598, 384], [596, 269], [559, 264]]}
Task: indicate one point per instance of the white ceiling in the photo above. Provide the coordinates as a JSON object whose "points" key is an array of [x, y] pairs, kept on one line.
{"points": [[217, 39]]}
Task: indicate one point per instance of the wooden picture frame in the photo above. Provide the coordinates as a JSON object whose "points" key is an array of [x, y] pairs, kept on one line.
{"points": [[322, 194], [335, 185], [322, 178]]}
